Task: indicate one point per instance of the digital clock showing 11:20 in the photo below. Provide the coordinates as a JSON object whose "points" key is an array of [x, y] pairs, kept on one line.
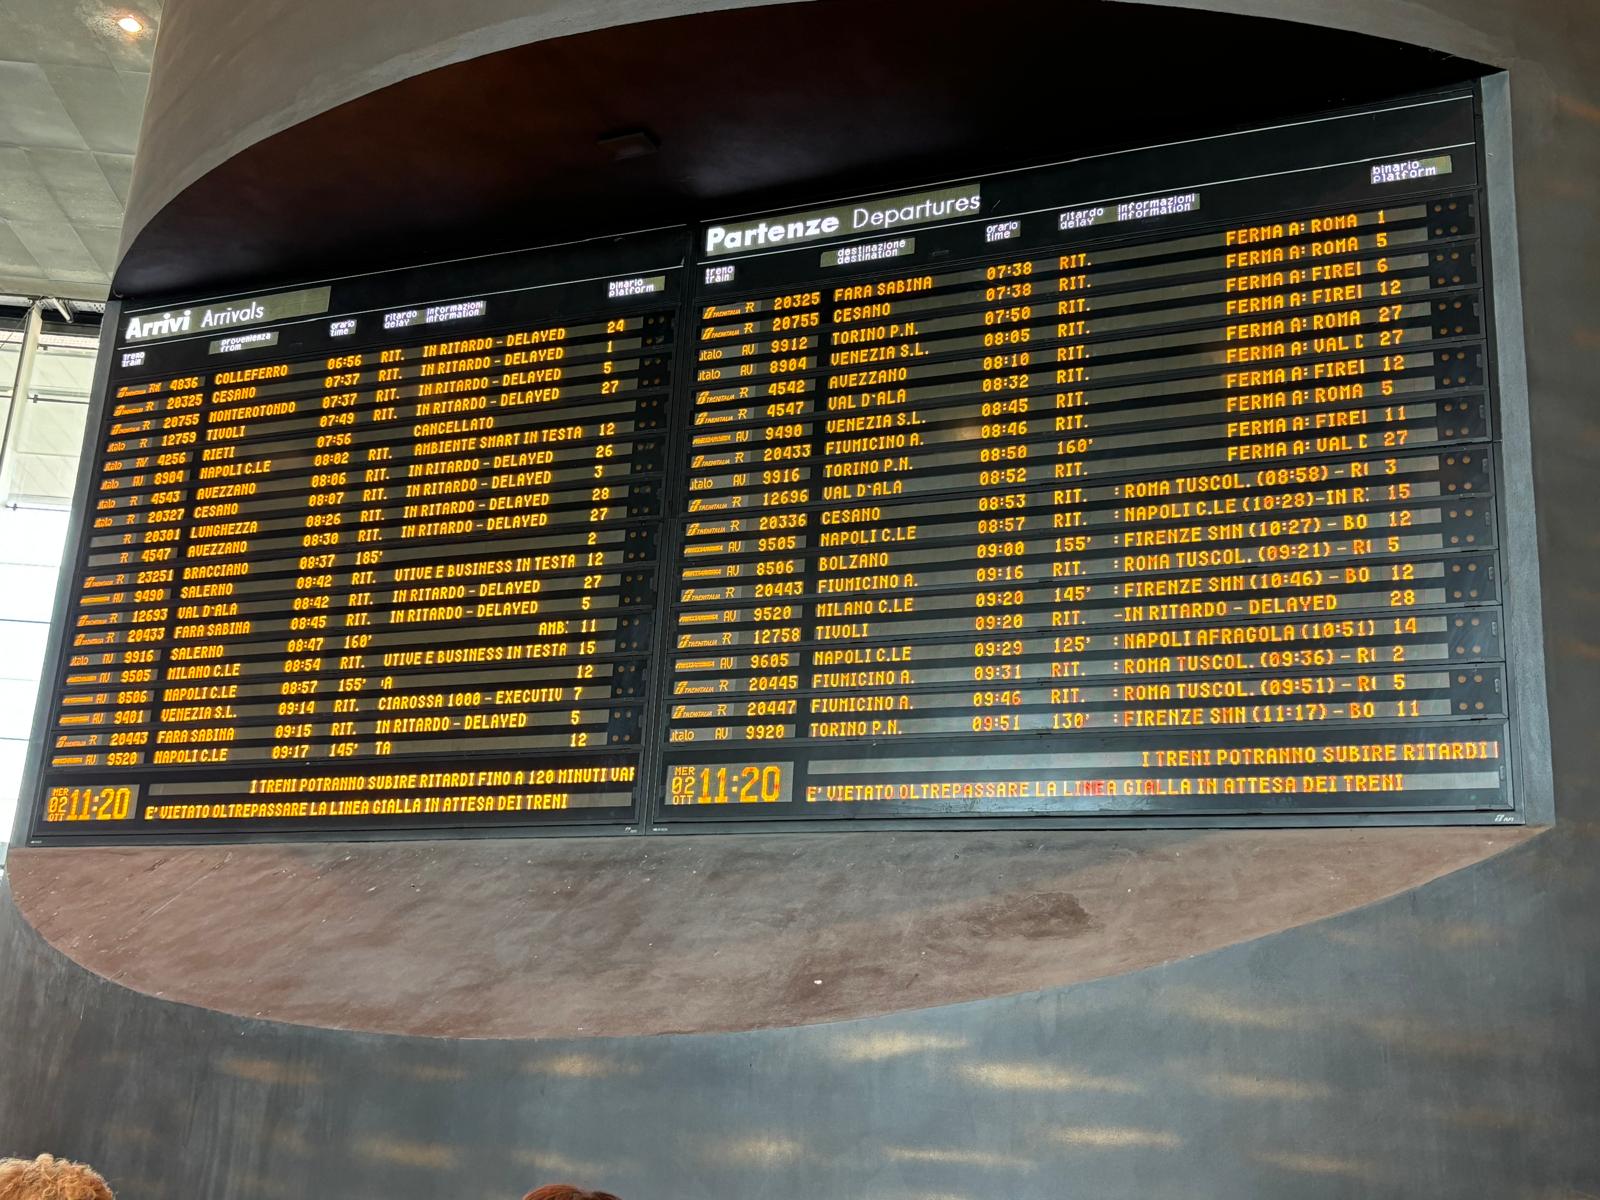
{"points": [[105, 803]]}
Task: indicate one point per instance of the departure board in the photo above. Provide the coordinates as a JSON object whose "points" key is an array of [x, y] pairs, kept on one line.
{"points": [[380, 553], [1159, 483], [1158, 486]]}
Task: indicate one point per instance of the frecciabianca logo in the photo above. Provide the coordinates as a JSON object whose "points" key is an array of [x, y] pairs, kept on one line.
{"points": [[171, 324]]}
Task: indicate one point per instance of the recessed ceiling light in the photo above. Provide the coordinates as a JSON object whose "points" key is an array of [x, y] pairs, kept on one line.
{"points": [[130, 24]]}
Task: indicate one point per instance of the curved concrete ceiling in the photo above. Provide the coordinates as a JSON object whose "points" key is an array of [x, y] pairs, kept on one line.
{"points": [[232, 75], [506, 150], [228, 76], [72, 87]]}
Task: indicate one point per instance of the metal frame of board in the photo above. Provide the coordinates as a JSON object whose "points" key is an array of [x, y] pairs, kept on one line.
{"points": [[1528, 768], [30, 798], [1530, 759], [1533, 781]]}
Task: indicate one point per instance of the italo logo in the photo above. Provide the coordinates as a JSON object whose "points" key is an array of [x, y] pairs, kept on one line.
{"points": [[166, 325], [868, 217]]}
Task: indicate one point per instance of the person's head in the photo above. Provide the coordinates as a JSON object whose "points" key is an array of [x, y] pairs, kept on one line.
{"points": [[553, 1191], [48, 1178]]}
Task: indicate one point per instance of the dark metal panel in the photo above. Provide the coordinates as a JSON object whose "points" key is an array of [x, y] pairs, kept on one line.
{"points": [[1276, 152], [1523, 606]]}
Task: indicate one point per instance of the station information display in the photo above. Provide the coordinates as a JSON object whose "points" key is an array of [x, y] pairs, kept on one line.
{"points": [[1158, 483], [381, 552], [1155, 485]]}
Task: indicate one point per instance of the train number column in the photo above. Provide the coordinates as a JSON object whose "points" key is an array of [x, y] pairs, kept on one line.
{"points": [[126, 604]]}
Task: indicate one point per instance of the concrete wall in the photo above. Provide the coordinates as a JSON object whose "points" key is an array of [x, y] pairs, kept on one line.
{"points": [[1441, 1044], [1442, 1041]]}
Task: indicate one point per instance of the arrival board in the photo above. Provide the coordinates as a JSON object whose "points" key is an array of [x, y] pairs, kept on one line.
{"points": [[1048, 494], [1156, 485], [375, 554]]}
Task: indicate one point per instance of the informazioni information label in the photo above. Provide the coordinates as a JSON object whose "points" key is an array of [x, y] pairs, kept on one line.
{"points": [[1157, 484]]}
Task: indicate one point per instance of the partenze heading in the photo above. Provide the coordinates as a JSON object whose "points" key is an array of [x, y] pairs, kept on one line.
{"points": [[871, 216]]}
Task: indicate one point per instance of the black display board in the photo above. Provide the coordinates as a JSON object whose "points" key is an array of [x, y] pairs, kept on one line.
{"points": [[377, 553], [1155, 485]]}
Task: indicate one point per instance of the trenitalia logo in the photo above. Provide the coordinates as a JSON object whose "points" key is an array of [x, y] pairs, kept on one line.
{"points": [[147, 327], [846, 220]]}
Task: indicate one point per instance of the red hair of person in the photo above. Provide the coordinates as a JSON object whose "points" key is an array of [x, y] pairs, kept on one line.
{"points": [[50, 1178], [565, 1191]]}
